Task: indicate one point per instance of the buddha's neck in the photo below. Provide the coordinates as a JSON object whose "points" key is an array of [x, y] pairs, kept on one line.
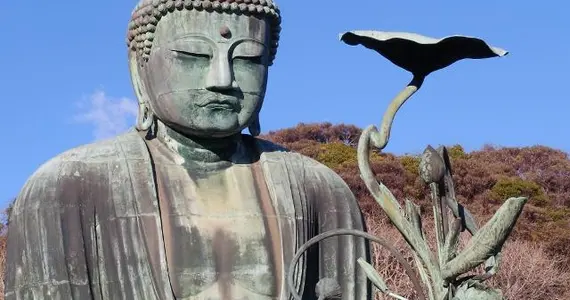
{"points": [[222, 151]]}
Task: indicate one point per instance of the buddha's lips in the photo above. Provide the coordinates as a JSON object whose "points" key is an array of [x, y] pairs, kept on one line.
{"points": [[222, 102], [219, 104]]}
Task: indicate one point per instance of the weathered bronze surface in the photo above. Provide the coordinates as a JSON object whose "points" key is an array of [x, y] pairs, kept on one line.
{"points": [[187, 207]]}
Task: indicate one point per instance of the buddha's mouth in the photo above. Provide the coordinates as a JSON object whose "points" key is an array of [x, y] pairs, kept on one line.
{"points": [[219, 105], [219, 102]]}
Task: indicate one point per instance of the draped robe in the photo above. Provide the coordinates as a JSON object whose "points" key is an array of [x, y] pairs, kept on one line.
{"points": [[88, 225]]}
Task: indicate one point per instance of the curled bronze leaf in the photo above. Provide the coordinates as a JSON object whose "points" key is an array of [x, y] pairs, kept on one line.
{"points": [[373, 275], [488, 241], [474, 290]]}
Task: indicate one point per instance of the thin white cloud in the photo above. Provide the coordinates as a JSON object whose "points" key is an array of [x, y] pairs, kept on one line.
{"points": [[109, 116]]}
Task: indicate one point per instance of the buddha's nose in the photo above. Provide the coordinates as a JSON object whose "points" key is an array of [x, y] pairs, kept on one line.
{"points": [[220, 75]]}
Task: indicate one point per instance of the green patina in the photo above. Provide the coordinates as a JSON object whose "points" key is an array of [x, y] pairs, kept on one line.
{"points": [[186, 206]]}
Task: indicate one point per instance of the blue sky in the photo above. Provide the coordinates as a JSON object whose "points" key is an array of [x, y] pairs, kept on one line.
{"points": [[65, 79]]}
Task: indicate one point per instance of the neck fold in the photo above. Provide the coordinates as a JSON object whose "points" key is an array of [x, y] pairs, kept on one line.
{"points": [[226, 150]]}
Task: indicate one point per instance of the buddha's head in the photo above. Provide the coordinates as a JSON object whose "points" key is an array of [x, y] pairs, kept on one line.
{"points": [[200, 67]]}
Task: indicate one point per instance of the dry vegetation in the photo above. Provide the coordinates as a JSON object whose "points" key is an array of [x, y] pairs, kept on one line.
{"points": [[535, 259]]}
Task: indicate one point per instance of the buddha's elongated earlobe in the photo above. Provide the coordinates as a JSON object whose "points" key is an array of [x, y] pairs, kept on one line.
{"points": [[145, 116], [255, 127]]}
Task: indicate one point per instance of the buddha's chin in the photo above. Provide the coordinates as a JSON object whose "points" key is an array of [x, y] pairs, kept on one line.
{"points": [[217, 124]]}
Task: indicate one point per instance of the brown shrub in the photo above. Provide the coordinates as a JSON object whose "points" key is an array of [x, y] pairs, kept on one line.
{"points": [[2, 264], [321, 133], [483, 180], [384, 262], [471, 179], [528, 272]]}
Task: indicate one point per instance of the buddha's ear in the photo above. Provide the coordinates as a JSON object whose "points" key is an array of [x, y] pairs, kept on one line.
{"points": [[145, 115], [255, 127]]}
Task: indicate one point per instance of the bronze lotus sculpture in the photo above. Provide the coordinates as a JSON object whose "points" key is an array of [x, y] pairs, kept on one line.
{"points": [[441, 274]]}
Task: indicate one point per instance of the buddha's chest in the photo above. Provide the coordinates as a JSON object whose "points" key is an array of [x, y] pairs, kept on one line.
{"points": [[220, 242]]}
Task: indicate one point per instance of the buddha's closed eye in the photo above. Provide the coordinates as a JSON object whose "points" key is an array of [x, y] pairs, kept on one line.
{"points": [[252, 59], [256, 59], [183, 53]]}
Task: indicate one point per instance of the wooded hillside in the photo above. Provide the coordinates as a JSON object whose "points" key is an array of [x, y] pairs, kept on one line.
{"points": [[535, 258]]}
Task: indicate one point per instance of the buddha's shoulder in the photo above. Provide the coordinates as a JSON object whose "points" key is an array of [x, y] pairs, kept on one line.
{"points": [[127, 146], [295, 162], [93, 165]]}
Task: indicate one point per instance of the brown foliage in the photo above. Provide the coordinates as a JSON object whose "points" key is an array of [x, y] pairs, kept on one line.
{"points": [[321, 133], [2, 264], [527, 271], [483, 180], [3, 236]]}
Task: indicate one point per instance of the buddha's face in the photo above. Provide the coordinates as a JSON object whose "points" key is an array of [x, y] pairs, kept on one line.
{"points": [[207, 72]]}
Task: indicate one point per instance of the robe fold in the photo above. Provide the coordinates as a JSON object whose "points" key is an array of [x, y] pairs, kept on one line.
{"points": [[88, 225]]}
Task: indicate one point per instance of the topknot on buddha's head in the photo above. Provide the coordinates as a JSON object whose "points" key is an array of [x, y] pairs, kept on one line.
{"points": [[148, 13]]}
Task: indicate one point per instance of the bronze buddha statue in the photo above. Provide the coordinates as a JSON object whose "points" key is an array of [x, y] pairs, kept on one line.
{"points": [[185, 206]]}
